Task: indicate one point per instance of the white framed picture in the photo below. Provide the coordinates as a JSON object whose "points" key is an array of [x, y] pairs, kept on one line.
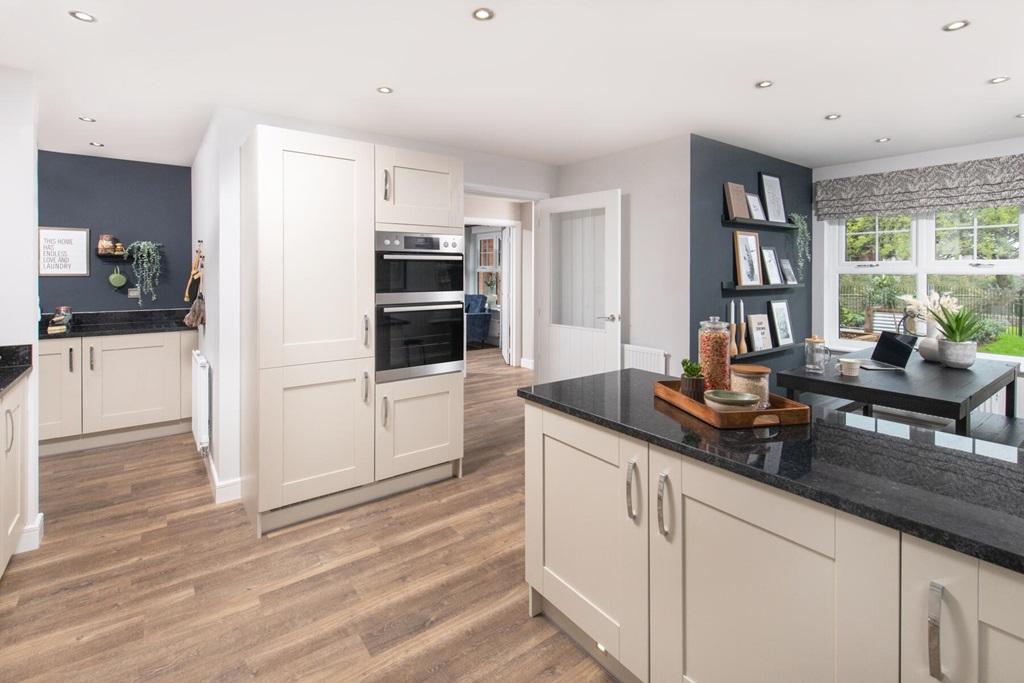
{"points": [[754, 204], [748, 259], [63, 251], [771, 190], [772, 271], [760, 332], [782, 327]]}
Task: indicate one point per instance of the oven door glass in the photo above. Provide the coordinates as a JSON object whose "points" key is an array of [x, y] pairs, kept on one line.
{"points": [[399, 273], [418, 340]]}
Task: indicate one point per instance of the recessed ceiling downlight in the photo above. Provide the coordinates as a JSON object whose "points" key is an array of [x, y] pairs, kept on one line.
{"points": [[833, 117], [483, 14], [956, 25], [87, 119], [96, 144], [764, 84], [883, 139], [998, 79], [385, 90], [1020, 116], [82, 16]]}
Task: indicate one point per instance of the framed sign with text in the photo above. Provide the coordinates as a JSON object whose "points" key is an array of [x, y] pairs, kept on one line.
{"points": [[63, 251]]}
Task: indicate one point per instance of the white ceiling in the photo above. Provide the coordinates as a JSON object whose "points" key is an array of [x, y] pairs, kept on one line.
{"points": [[555, 81]]}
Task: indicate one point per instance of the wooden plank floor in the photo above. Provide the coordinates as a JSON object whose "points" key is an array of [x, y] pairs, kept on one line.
{"points": [[142, 577]]}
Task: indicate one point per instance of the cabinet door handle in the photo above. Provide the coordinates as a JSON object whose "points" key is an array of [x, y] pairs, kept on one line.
{"points": [[935, 595], [366, 330], [387, 185], [92, 358], [662, 481], [9, 418], [366, 386], [71, 359], [632, 470], [384, 417]]}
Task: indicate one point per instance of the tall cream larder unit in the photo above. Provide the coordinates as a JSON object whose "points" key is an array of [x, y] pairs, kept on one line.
{"points": [[309, 408]]}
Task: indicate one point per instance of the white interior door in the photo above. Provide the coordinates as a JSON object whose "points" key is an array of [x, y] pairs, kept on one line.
{"points": [[578, 279], [506, 309]]}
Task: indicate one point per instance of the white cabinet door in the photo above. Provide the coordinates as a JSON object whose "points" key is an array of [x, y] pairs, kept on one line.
{"points": [[418, 189], [189, 342], [587, 526], [419, 423], [130, 380], [13, 446], [60, 388], [1000, 624], [315, 232], [315, 430]]}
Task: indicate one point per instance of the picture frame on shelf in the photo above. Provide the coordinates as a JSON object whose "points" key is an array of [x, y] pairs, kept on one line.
{"points": [[782, 326], [788, 274], [735, 201], [772, 271], [748, 258], [756, 209], [759, 329], [771, 194]]}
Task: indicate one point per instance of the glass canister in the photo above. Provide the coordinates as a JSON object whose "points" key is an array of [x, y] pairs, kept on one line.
{"points": [[752, 379], [713, 352], [816, 355]]}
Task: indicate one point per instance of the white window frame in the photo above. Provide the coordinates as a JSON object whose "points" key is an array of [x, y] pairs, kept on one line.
{"points": [[922, 264], [496, 268]]}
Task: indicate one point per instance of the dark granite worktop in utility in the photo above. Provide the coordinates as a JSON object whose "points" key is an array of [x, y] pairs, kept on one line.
{"points": [[15, 361], [955, 491], [119, 322]]}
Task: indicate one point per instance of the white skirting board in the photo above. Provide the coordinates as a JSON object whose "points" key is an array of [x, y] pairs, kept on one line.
{"points": [[224, 490], [526, 363], [31, 536], [644, 358]]}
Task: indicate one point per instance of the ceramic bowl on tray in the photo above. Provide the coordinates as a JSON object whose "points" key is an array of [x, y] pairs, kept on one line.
{"points": [[730, 401]]}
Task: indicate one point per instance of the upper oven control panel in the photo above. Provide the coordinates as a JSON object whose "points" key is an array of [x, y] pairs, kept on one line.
{"points": [[405, 241]]}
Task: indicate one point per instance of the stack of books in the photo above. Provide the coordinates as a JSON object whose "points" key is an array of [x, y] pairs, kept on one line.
{"points": [[59, 324]]}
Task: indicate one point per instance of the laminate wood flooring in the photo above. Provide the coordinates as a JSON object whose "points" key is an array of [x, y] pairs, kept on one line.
{"points": [[141, 577]]}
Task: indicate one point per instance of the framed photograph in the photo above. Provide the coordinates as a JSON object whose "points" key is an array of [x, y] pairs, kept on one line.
{"points": [[771, 193], [772, 271], [760, 332], [782, 328], [735, 202], [63, 251], [748, 258], [754, 204], [788, 274]]}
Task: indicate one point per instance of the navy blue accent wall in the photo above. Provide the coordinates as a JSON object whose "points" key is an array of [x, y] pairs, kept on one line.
{"points": [[712, 164], [131, 200]]}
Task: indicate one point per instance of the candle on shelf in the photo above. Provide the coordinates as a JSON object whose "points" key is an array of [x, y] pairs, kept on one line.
{"points": [[732, 310], [742, 317]]}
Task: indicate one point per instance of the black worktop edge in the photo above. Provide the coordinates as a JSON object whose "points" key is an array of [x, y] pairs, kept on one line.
{"points": [[943, 537], [15, 363]]}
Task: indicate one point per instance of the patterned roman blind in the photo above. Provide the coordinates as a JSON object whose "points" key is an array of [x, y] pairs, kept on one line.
{"points": [[965, 185]]}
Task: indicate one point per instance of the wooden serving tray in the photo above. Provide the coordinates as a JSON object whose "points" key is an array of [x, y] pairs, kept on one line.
{"points": [[782, 411]]}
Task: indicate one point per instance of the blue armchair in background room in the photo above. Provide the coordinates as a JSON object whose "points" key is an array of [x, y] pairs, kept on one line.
{"points": [[478, 319]]}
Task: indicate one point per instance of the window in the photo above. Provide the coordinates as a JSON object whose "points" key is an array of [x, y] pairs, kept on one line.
{"points": [[973, 255], [488, 268]]}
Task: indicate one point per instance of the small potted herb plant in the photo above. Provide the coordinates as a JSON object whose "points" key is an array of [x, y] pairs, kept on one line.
{"points": [[692, 381], [960, 328]]}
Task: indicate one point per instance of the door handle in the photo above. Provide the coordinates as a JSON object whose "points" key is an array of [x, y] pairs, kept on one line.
{"points": [[936, 591], [414, 309], [92, 358], [633, 470], [366, 330], [9, 417], [71, 359], [611, 317], [384, 417], [662, 481], [387, 185], [366, 386]]}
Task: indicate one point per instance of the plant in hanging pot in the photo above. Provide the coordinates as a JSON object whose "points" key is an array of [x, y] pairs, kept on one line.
{"points": [[146, 264], [960, 328], [692, 381]]}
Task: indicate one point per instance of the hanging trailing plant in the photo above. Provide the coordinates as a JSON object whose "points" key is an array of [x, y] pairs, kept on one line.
{"points": [[803, 243], [146, 262]]}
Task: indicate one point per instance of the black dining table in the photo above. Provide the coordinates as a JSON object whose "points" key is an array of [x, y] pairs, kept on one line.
{"points": [[922, 387]]}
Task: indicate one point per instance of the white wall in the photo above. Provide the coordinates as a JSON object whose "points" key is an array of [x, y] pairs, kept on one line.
{"points": [[19, 305], [655, 183], [216, 220]]}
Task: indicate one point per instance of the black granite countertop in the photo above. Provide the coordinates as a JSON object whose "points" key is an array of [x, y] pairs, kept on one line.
{"points": [[119, 322], [15, 362], [962, 493]]}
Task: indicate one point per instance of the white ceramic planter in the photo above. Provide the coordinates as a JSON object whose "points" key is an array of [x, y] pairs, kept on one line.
{"points": [[929, 349], [959, 355]]}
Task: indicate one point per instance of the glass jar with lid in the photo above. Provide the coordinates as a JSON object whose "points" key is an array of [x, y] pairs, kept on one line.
{"points": [[713, 353], [816, 355], [752, 379]]}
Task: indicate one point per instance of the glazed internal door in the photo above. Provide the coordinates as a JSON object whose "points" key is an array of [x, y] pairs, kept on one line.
{"points": [[315, 217], [578, 285], [60, 388], [418, 189]]}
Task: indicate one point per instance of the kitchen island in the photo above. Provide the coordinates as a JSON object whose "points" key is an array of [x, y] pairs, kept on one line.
{"points": [[664, 545]]}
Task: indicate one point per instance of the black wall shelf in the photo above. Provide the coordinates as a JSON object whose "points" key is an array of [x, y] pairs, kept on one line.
{"points": [[766, 352], [733, 287], [755, 223]]}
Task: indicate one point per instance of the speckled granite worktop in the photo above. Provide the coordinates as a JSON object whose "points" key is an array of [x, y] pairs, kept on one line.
{"points": [[955, 491], [15, 361], [119, 322]]}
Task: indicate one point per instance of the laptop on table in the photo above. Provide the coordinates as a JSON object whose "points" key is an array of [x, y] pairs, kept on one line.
{"points": [[892, 352]]}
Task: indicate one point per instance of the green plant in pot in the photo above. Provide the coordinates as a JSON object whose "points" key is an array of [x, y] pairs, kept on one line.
{"points": [[692, 381], [960, 328], [146, 265]]}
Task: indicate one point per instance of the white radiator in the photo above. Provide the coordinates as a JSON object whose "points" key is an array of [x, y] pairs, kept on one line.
{"points": [[201, 401], [644, 358], [997, 403]]}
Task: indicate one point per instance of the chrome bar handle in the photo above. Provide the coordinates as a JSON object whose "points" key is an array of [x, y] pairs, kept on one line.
{"points": [[662, 481], [9, 417], [92, 358], [387, 185], [71, 359], [366, 386], [384, 417], [632, 470], [935, 594], [366, 330]]}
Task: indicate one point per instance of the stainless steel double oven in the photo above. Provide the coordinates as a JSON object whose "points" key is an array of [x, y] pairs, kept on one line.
{"points": [[419, 305]]}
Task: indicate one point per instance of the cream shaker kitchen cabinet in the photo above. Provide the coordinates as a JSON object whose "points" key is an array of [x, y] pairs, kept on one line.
{"points": [[962, 620], [130, 380], [587, 523], [60, 388], [13, 451], [419, 423], [418, 189], [315, 430], [313, 217]]}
